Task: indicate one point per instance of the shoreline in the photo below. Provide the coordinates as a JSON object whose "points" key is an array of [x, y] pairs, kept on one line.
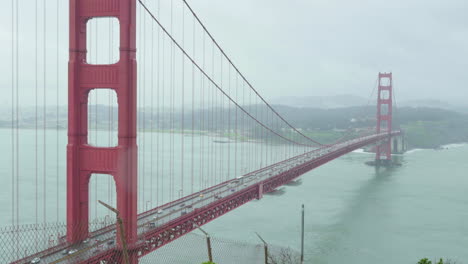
{"points": [[215, 134], [412, 150]]}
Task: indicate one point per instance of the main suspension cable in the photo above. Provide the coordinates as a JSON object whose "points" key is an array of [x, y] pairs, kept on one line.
{"points": [[215, 84], [244, 78]]}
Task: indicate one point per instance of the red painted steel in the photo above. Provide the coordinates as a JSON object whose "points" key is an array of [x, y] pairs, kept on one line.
{"points": [[384, 114], [158, 237], [155, 238], [83, 159]]}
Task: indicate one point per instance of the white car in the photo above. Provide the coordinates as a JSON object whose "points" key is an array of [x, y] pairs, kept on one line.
{"points": [[160, 211], [72, 251], [36, 260]]}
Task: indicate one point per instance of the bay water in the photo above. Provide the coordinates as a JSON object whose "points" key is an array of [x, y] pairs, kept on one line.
{"points": [[355, 213]]}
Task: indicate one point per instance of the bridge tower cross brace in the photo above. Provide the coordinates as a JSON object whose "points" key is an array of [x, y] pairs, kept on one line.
{"points": [[83, 159], [384, 115]]}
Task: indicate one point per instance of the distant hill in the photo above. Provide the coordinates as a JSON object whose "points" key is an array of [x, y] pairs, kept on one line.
{"points": [[324, 102], [435, 103], [424, 127], [344, 101]]}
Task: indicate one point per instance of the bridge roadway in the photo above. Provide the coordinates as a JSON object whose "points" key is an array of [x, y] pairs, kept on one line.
{"points": [[164, 224]]}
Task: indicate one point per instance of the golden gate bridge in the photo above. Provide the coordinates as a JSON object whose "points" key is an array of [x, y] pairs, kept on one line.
{"points": [[187, 137]]}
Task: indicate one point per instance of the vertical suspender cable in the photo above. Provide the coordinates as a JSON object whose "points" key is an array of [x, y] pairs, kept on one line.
{"points": [[202, 119], [17, 115], [109, 125], [173, 96], [236, 134], [213, 96], [259, 145], [36, 148], [13, 171], [183, 104], [15, 133], [111, 109], [221, 124], [243, 77], [228, 176], [171, 117], [143, 124], [171, 91], [57, 109], [266, 135], [252, 134], [158, 156], [163, 173], [258, 149], [244, 134], [202, 112], [96, 114], [45, 113], [193, 111], [152, 115], [89, 58], [139, 92]]}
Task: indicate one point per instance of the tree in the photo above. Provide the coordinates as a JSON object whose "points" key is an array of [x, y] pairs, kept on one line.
{"points": [[425, 261], [285, 256], [441, 261]]}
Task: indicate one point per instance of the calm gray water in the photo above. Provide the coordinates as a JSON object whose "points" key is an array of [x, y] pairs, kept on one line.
{"points": [[354, 213]]}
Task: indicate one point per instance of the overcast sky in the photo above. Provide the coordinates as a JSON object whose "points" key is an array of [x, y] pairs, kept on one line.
{"points": [[324, 47], [303, 47]]}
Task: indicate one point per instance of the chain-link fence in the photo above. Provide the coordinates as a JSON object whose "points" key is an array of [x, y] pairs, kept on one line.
{"points": [[47, 244], [192, 249]]}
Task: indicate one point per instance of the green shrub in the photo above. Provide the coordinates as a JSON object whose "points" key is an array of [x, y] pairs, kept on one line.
{"points": [[425, 261], [441, 261]]}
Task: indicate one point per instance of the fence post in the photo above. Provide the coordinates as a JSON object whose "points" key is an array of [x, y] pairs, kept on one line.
{"points": [[208, 242], [302, 236], [122, 231], [265, 246]]}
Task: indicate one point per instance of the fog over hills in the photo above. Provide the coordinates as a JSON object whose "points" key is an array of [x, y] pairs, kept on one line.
{"points": [[425, 127], [325, 102], [343, 101]]}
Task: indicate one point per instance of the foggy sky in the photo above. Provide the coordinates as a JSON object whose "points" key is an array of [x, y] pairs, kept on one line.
{"points": [[303, 47], [329, 47]]}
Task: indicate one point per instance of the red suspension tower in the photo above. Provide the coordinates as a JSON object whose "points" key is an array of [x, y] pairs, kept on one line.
{"points": [[83, 159], [384, 116]]}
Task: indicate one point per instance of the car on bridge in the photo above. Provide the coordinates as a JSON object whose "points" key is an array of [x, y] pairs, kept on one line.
{"points": [[35, 261]]}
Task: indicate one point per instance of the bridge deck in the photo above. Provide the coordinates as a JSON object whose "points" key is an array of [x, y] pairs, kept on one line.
{"points": [[168, 222]]}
